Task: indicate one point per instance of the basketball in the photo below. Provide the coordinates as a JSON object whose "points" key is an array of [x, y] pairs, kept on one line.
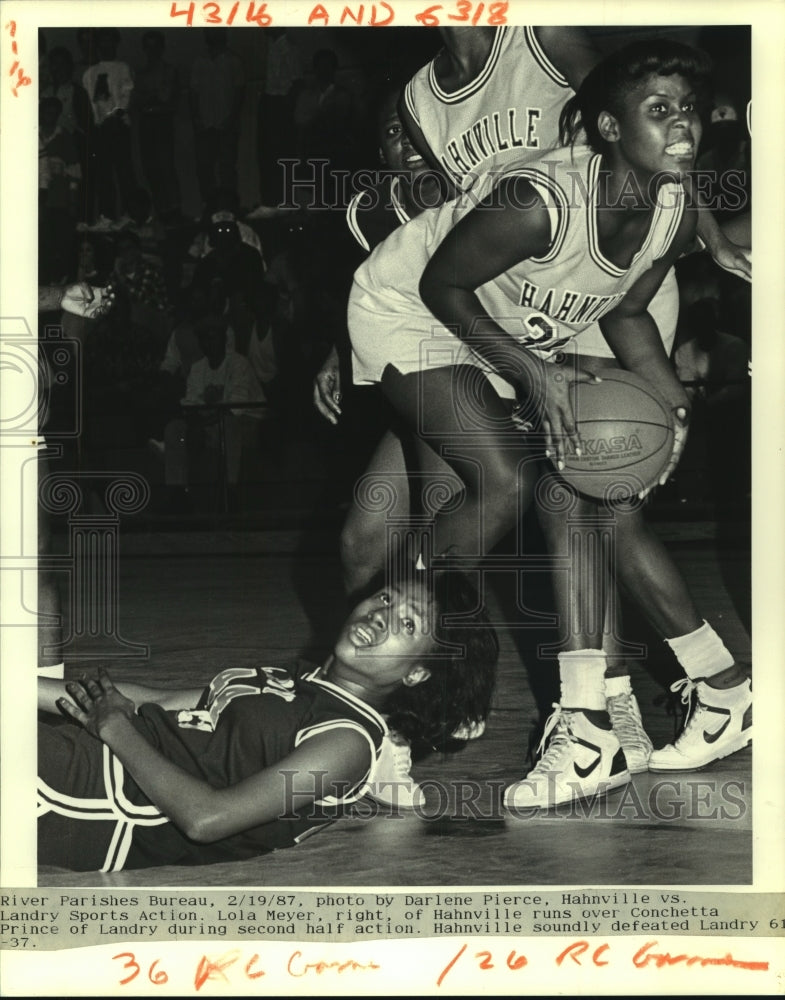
{"points": [[627, 433]]}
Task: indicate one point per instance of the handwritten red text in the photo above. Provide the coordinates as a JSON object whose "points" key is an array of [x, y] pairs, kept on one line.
{"points": [[376, 14], [22, 79]]}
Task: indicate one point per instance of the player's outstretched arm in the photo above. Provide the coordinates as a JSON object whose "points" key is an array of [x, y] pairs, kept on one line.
{"points": [[328, 763], [730, 256], [80, 299], [172, 699], [635, 340]]}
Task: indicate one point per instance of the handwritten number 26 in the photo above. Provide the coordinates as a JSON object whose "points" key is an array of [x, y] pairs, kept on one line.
{"points": [[513, 962], [157, 978]]}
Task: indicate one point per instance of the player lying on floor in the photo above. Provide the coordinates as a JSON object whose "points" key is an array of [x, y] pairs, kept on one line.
{"points": [[262, 756]]}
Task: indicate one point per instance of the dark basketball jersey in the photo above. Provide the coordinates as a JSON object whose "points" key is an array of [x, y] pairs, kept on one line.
{"points": [[248, 718]]}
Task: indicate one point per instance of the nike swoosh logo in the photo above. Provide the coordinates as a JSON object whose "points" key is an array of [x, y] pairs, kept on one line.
{"points": [[584, 772], [713, 737]]}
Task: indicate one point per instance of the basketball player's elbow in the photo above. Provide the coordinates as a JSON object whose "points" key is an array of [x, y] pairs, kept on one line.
{"points": [[207, 821], [206, 829], [438, 295]]}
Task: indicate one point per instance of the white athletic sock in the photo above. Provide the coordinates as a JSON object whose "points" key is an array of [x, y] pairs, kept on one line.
{"points": [[582, 676], [57, 671], [701, 653], [617, 685]]}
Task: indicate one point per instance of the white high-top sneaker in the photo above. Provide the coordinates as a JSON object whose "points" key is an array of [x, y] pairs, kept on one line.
{"points": [[720, 723], [582, 760]]}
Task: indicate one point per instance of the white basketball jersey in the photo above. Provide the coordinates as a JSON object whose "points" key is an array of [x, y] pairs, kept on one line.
{"points": [[509, 111], [545, 302], [542, 302]]}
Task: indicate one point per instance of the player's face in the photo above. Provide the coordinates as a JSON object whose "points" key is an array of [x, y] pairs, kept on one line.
{"points": [[387, 634], [396, 147], [659, 128]]}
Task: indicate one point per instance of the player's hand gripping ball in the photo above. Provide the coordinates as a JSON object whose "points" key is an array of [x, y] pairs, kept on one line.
{"points": [[627, 433]]}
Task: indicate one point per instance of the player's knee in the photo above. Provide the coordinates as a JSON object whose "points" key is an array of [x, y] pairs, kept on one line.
{"points": [[361, 539]]}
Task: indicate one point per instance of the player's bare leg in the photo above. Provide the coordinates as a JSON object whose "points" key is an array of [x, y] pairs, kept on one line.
{"points": [[620, 701], [498, 476], [721, 719], [381, 494], [499, 473]]}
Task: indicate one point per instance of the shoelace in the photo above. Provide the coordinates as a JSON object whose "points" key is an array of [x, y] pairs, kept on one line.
{"points": [[558, 724], [625, 719], [686, 699]]}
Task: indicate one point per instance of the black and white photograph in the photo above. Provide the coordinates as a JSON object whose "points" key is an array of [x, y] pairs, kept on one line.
{"points": [[391, 466]]}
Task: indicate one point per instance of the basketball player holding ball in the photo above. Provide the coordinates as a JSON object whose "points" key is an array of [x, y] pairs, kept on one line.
{"points": [[464, 92], [474, 80], [546, 249]]}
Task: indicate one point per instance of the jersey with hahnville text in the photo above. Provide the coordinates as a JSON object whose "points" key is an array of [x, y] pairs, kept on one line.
{"points": [[542, 302], [509, 111]]}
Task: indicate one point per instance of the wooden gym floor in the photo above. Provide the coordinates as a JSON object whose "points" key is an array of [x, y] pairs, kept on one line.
{"points": [[204, 601]]}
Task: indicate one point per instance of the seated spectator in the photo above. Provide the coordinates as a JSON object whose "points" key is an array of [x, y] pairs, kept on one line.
{"points": [[85, 43], [109, 85], [230, 262], [75, 115], [121, 362], [223, 434], [143, 282], [275, 131], [216, 93], [324, 117], [182, 348], [324, 109], [59, 173], [221, 375], [141, 219], [94, 259], [154, 105], [251, 332], [226, 201]]}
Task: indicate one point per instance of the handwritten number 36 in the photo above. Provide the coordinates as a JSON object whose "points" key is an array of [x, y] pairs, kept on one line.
{"points": [[157, 978]]}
